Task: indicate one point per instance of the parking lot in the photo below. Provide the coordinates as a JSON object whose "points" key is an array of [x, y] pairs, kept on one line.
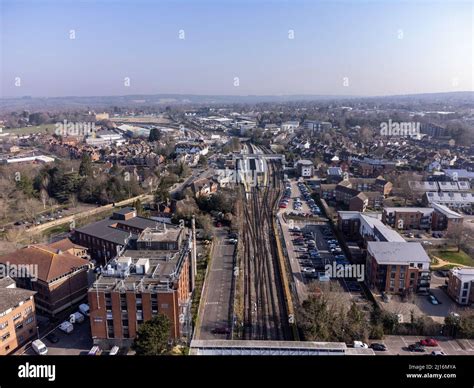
{"points": [[311, 245], [398, 345], [78, 342]]}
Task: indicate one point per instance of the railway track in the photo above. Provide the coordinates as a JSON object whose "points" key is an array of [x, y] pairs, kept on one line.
{"points": [[265, 315]]}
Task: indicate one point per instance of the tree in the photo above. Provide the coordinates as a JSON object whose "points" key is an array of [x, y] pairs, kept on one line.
{"points": [[155, 135], [139, 207], [44, 197], [202, 161], [85, 169], [153, 337], [457, 235]]}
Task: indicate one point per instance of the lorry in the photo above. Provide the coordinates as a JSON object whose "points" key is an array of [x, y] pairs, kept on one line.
{"points": [[77, 317], [39, 347]]}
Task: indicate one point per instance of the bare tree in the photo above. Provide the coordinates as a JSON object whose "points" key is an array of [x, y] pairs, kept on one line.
{"points": [[457, 235]]}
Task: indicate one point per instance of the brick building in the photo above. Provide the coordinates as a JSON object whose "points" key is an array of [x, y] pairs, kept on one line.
{"points": [[140, 284], [17, 316], [397, 267], [60, 279], [461, 285], [105, 238]]}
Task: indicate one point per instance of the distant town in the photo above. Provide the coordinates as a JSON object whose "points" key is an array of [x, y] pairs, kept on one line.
{"points": [[306, 226]]}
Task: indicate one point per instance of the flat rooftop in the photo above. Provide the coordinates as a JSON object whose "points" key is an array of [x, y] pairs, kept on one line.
{"points": [[145, 270]]}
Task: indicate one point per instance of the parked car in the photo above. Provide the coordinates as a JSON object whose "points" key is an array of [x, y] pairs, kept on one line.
{"points": [[378, 347], [429, 342], [39, 347], [53, 338], [66, 327], [114, 351], [220, 330], [77, 317], [432, 299], [438, 353], [360, 344], [95, 351], [416, 348]]}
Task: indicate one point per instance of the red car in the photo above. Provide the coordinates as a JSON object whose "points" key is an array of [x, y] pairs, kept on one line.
{"points": [[429, 342]]}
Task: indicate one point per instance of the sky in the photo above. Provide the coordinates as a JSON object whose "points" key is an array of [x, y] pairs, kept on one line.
{"points": [[120, 47]]}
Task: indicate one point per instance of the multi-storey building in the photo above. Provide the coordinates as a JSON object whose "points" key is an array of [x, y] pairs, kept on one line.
{"points": [[139, 284], [105, 238], [397, 267], [58, 278], [461, 285], [17, 316]]}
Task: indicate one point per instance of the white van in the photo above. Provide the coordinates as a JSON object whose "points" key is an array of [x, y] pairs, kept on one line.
{"points": [[114, 351], [77, 317], [66, 327], [84, 309], [360, 344], [39, 347]]}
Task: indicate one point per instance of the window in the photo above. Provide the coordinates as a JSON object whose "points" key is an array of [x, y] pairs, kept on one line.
{"points": [[5, 337], [3, 325], [28, 310], [29, 320], [464, 293], [465, 286], [17, 316]]}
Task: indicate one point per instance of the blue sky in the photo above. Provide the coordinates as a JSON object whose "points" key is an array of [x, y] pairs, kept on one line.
{"points": [[382, 47]]}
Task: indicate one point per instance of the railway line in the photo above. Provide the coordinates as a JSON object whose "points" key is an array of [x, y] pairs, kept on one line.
{"points": [[265, 313]]}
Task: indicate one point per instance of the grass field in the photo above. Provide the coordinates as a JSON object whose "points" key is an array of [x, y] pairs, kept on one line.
{"points": [[454, 257], [34, 129]]}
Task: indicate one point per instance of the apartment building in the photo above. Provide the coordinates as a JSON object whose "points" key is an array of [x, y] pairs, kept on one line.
{"points": [[397, 267], [138, 285], [461, 285], [59, 279], [406, 218], [17, 316], [437, 217], [304, 168]]}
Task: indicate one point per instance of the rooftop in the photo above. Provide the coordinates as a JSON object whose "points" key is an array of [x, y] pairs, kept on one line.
{"points": [[150, 270], [397, 252], [11, 297], [50, 263], [464, 273]]}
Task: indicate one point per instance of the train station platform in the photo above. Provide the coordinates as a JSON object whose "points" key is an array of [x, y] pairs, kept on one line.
{"points": [[273, 348]]}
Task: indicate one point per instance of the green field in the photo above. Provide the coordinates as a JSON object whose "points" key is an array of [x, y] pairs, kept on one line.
{"points": [[34, 129], [454, 257]]}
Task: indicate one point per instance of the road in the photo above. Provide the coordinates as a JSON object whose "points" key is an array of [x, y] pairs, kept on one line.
{"points": [[87, 213], [217, 295]]}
